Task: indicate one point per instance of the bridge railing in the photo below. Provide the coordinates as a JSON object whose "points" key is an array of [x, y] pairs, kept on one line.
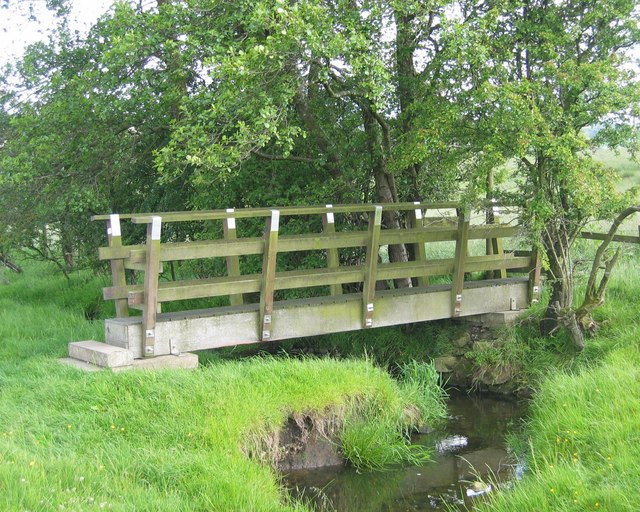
{"points": [[420, 230]]}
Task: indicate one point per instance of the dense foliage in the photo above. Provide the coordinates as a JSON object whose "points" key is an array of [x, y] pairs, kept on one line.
{"points": [[185, 104]]}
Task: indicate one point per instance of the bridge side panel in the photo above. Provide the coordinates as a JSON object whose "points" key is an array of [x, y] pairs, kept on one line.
{"points": [[185, 332]]}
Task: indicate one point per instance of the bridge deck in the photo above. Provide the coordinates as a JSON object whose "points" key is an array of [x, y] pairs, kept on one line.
{"points": [[234, 325]]}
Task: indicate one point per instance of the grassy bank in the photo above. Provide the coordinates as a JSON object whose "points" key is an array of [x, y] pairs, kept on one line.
{"points": [[169, 440], [583, 435]]}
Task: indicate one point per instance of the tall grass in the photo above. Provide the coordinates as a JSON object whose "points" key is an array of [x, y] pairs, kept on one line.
{"points": [[164, 440], [583, 435]]}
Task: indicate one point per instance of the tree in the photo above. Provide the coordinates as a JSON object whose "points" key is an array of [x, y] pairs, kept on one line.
{"points": [[558, 68]]}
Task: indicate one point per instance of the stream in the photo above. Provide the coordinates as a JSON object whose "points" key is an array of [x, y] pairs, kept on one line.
{"points": [[469, 451]]}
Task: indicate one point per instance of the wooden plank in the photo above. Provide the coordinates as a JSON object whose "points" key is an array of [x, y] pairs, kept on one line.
{"points": [[628, 239], [371, 265], [150, 309], [178, 251], [269, 260], [457, 281], [333, 259], [233, 262], [118, 276], [285, 211], [220, 286], [191, 289], [135, 254], [419, 251], [144, 218]]}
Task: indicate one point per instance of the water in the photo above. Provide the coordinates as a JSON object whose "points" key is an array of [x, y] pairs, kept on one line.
{"points": [[469, 450]]}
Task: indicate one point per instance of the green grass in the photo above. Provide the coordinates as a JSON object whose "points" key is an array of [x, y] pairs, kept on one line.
{"points": [[583, 434], [165, 440], [585, 441]]}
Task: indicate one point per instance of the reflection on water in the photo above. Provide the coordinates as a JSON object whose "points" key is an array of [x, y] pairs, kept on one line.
{"points": [[467, 450]]}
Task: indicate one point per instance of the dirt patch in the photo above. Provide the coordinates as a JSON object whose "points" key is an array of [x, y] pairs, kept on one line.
{"points": [[305, 441]]}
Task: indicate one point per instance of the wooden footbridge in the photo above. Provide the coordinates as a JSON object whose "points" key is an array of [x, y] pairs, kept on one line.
{"points": [[351, 288]]}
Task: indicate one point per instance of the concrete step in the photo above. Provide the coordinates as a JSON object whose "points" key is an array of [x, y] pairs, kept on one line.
{"points": [[100, 354], [94, 355], [186, 361]]}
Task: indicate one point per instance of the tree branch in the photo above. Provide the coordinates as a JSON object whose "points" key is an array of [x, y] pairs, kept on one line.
{"points": [[291, 158]]}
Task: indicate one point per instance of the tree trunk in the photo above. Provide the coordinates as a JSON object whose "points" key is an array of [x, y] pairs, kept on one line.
{"points": [[405, 69], [385, 190], [560, 312]]}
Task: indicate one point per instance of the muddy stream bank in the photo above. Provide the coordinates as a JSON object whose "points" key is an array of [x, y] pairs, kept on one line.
{"points": [[469, 450]]}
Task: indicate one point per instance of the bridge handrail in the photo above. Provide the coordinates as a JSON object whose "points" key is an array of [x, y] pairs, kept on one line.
{"points": [[150, 256], [237, 213]]}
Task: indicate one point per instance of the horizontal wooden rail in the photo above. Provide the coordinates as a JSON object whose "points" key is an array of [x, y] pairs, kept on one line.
{"points": [[221, 286], [221, 214], [134, 255], [628, 239]]}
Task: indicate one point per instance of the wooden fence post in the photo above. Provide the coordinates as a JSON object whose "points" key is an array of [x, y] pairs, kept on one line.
{"points": [[118, 276], [371, 266], [150, 308], [233, 262], [269, 259], [457, 281], [534, 277], [494, 245], [333, 260], [419, 249]]}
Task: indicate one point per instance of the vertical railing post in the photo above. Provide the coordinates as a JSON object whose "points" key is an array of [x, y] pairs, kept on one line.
{"points": [[462, 241], [150, 307], [233, 262], [269, 259], [419, 249], [495, 245], [535, 277], [371, 266], [333, 260], [118, 276]]}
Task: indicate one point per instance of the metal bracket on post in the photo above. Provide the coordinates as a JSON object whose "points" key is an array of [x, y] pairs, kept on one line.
{"points": [[333, 259], [118, 276], [150, 307], [535, 277], [371, 266], [457, 282], [269, 275], [233, 262]]}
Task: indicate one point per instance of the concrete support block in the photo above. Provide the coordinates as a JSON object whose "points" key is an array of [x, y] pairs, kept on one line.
{"points": [[100, 354], [184, 361], [496, 319], [79, 365]]}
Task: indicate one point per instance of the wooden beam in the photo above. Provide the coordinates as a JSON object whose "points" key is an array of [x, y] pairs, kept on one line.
{"points": [[217, 327], [333, 260], [269, 260], [233, 262], [150, 309], [371, 265], [118, 276], [176, 251], [628, 239], [457, 282], [535, 281]]}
